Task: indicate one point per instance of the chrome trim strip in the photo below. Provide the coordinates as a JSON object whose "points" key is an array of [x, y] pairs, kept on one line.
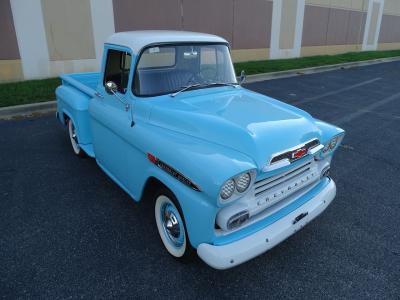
{"points": [[315, 149], [292, 149]]}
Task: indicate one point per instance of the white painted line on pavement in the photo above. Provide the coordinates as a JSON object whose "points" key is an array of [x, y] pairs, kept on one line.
{"points": [[347, 88], [366, 109]]}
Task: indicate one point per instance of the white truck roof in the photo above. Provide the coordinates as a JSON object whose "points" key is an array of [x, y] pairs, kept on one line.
{"points": [[136, 40]]}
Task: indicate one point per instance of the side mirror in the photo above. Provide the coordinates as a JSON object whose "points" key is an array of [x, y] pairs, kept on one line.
{"points": [[242, 77], [111, 87]]}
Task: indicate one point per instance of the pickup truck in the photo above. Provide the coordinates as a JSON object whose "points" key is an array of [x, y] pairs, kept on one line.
{"points": [[231, 172]]}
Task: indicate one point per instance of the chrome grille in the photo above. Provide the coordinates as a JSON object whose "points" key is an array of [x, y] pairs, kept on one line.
{"points": [[270, 190]]}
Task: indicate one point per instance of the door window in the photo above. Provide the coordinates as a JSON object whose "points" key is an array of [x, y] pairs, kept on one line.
{"points": [[117, 69]]}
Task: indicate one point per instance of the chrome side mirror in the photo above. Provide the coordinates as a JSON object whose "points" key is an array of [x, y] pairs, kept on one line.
{"points": [[242, 78], [111, 87]]}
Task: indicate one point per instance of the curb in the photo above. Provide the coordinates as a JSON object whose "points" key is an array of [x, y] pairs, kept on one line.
{"points": [[27, 110], [319, 69]]}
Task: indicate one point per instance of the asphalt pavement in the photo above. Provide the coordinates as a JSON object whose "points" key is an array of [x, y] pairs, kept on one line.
{"points": [[67, 231]]}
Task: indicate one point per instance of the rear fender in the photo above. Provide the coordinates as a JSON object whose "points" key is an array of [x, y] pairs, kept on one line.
{"points": [[74, 105]]}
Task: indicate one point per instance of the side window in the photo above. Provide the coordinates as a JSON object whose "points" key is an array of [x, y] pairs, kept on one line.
{"points": [[117, 69]]}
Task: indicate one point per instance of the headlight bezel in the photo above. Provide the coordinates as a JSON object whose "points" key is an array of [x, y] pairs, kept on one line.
{"points": [[237, 193], [237, 179], [332, 144], [230, 181]]}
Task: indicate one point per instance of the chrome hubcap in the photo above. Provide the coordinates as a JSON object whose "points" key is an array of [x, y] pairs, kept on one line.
{"points": [[74, 133], [172, 225], [73, 137]]}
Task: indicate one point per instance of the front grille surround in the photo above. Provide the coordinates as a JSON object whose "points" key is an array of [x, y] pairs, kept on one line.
{"points": [[288, 154]]}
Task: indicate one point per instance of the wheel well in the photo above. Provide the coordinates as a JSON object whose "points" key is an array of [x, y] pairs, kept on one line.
{"points": [[151, 186], [66, 118]]}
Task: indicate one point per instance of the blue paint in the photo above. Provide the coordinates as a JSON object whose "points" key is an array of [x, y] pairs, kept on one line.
{"points": [[209, 135]]}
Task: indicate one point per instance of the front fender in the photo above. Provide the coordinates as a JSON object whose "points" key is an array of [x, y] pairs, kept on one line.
{"points": [[328, 131], [206, 164], [199, 213]]}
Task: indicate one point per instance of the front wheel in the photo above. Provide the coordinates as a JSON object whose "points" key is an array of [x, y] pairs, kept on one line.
{"points": [[171, 226], [74, 139]]}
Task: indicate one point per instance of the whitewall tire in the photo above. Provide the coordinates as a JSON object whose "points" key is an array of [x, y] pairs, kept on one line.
{"points": [[171, 225], [74, 139]]}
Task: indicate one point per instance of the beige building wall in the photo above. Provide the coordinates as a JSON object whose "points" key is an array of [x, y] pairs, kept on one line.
{"points": [[10, 70], [332, 27], [56, 37], [359, 5], [240, 55], [44, 38], [10, 63], [246, 25], [337, 26], [389, 37], [288, 24], [392, 8], [68, 26], [374, 22]]}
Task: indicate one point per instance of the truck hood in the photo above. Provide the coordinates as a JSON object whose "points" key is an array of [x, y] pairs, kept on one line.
{"points": [[251, 123]]}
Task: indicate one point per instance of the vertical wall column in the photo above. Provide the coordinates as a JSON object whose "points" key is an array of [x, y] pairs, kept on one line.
{"points": [[103, 24], [287, 28], [56, 36], [31, 37], [373, 24]]}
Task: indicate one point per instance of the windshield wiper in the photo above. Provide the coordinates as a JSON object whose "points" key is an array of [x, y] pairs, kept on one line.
{"points": [[188, 87], [185, 88]]}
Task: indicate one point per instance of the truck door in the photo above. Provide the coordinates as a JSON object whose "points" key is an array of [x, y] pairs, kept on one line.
{"points": [[111, 118]]}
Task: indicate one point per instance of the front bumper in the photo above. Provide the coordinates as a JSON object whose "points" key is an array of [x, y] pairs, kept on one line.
{"points": [[237, 252]]}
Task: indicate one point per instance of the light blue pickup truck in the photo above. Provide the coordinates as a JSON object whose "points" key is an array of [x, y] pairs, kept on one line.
{"points": [[231, 172]]}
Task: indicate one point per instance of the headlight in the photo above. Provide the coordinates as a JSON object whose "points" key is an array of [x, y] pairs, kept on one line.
{"points": [[333, 143], [239, 183], [243, 182], [227, 189]]}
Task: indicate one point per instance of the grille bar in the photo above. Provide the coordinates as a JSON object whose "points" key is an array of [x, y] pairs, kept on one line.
{"points": [[269, 183], [269, 187]]}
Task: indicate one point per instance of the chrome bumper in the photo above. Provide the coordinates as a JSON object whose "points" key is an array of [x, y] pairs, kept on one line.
{"points": [[235, 253]]}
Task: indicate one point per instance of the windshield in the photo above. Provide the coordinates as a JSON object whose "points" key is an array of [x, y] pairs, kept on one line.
{"points": [[170, 68]]}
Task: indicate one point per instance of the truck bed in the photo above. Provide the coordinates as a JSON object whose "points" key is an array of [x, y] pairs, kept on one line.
{"points": [[84, 82], [73, 98]]}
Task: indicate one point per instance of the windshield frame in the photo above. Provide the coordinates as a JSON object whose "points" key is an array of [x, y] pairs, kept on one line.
{"points": [[139, 55]]}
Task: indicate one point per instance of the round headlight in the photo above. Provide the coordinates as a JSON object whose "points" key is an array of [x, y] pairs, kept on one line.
{"points": [[243, 182], [333, 143], [227, 189]]}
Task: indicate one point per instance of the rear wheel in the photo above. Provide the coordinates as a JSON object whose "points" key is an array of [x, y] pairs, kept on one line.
{"points": [[74, 139], [171, 225]]}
